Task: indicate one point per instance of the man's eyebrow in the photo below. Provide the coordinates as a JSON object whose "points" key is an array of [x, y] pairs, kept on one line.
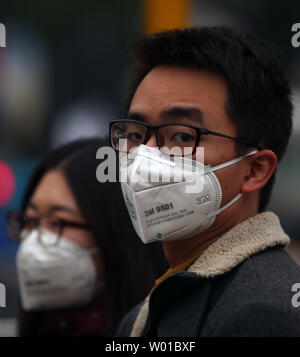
{"points": [[186, 112], [177, 112]]}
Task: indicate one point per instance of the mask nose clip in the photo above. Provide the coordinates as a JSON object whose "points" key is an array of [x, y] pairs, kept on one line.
{"points": [[47, 240]]}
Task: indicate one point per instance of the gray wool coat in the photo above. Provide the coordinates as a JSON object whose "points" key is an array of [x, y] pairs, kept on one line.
{"points": [[240, 286]]}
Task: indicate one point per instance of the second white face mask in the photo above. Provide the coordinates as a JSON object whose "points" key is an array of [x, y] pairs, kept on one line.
{"points": [[164, 211], [54, 276]]}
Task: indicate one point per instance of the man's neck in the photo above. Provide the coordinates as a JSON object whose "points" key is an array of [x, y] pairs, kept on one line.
{"points": [[179, 251]]}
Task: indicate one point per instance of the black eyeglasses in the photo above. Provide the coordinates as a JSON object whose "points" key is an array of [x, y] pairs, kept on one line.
{"points": [[178, 139], [19, 226]]}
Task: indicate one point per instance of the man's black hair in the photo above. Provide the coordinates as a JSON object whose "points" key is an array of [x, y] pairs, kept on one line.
{"points": [[258, 90]]}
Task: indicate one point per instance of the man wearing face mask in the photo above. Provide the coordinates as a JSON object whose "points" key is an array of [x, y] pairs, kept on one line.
{"points": [[213, 88]]}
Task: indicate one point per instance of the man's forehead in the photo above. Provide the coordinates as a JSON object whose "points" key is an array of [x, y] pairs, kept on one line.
{"points": [[166, 90], [165, 85]]}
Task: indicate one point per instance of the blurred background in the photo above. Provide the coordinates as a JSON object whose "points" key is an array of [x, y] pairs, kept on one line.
{"points": [[64, 74]]}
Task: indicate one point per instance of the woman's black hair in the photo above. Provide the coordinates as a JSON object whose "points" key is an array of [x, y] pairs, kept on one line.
{"points": [[130, 267]]}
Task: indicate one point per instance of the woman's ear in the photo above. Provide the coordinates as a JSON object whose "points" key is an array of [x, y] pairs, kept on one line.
{"points": [[261, 167]]}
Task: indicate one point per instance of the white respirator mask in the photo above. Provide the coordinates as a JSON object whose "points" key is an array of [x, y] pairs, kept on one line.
{"points": [[54, 276], [180, 200]]}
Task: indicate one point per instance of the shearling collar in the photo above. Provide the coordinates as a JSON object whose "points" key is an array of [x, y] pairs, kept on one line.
{"points": [[245, 239]]}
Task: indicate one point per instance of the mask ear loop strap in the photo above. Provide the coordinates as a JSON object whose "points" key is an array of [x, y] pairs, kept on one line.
{"points": [[239, 195], [215, 213], [231, 162]]}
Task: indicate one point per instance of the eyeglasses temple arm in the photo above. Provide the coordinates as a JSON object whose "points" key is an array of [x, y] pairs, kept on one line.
{"points": [[206, 132]]}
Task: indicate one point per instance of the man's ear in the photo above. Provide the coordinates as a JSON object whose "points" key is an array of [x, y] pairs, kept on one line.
{"points": [[261, 167]]}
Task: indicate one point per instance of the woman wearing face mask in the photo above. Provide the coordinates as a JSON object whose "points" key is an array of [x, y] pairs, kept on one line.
{"points": [[80, 266]]}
